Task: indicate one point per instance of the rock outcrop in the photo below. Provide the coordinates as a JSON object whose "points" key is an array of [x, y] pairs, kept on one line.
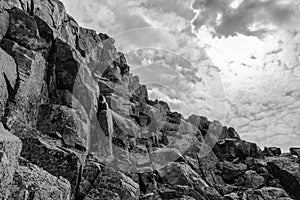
{"points": [[76, 124]]}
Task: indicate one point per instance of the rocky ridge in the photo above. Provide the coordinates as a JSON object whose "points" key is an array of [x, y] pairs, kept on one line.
{"points": [[76, 124]]}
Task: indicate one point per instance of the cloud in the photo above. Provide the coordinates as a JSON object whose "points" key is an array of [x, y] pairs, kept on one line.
{"points": [[250, 17]]}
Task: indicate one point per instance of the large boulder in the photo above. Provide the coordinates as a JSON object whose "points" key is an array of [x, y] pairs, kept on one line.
{"points": [[204, 161], [253, 180], [8, 77], [4, 23], [29, 89], [69, 125], [287, 170], [10, 148], [200, 122], [102, 182], [31, 182], [295, 151], [118, 183], [181, 174], [50, 155], [24, 30], [230, 149], [231, 170]]}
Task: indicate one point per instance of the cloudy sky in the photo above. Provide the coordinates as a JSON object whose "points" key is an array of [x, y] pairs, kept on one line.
{"points": [[232, 60]]}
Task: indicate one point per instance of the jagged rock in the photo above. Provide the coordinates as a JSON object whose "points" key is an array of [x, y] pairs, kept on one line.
{"points": [[252, 179], [8, 77], [181, 136], [232, 196], [102, 194], [141, 94], [103, 145], [31, 182], [226, 189], [181, 174], [24, 30], [4, 23], [179, 193], [10, 148], [29, 89], [200, 122], [124, 127], [229, 133], [213, 133], [72, 125], [89, 45], [230, 149], [162, 156], [268, 193], [295, 151], [271, 151], [50, 155], [231, 170], [174, 117], [287, 170], [105, 88], [117, 182], [104, 182], [204, 162]]}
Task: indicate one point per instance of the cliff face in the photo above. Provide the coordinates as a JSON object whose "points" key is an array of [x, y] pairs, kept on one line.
{"points": [[76, 124]]}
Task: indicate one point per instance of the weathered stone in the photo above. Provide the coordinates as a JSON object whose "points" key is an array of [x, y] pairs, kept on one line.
{"points": [[141, 94], [8, 76], [230, 149], [4, 23], [295, 151], [229, 133], [204, 161], [232, 196], [29, 88], [31, 182], [179, 193], [50, 155], [102, 146], [24, 30], [181, 174], [200, 122], [161, 157], [213, 133], [72, 125], [252, 179], [287, 170], [102, 194], [271, 151], [124, 127], [231, 170], [10, 148], [117, 182], [268, 193], [105, 88]]}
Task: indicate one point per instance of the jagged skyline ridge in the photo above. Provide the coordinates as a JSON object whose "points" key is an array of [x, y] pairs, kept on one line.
{"points": [[259, 69]]}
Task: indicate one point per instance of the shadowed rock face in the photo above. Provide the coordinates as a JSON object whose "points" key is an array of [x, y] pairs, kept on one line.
{"points": [[78, 125]]}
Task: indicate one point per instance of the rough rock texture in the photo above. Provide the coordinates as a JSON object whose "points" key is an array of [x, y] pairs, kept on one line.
{"points": [[89, 131], [31, 182], [10, 148]]}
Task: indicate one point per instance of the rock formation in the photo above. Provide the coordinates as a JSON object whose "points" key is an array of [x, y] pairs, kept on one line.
{"points": [[76, 124]]}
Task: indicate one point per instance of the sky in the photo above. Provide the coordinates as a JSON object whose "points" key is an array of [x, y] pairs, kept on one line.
{"points": [[236, 61]]}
